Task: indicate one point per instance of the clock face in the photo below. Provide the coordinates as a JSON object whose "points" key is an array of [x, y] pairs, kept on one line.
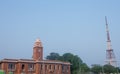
{"points": [[39, 50]]}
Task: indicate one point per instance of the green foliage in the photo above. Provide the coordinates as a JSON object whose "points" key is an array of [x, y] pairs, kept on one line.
{"points": [[104, 69], [53, 56], [84, 67], [77, 64], [2, 72], [74, 60], [109, 69], [79, 67], [117, 69], [96, 69]]}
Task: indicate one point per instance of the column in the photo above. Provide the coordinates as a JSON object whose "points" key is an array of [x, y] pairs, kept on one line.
{"points": [[69, 71], [37, 68]]}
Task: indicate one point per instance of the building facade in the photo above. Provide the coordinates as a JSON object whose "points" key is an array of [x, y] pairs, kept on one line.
{"points": [[36, 65]]}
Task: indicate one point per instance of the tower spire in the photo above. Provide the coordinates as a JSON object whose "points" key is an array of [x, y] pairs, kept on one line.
{"points": [[107, 30], [109, 52]]}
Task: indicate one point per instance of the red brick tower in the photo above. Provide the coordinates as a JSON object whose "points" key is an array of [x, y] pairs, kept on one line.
{"points": [[38, 50]]}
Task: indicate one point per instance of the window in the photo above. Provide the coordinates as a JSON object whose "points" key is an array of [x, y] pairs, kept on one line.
{"points": [[22, 66], [45, 67], [0, 65], [41, 66], [50, 67], [59, 67], [11, 66], [67, 67], [63, 68], [56, 67], [31, 67]]}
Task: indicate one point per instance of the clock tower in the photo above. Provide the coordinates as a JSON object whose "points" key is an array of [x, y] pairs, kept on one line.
{"points": [[38, 50]]}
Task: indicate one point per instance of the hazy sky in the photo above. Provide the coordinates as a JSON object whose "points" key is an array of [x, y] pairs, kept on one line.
{"points": [[64, 26]]}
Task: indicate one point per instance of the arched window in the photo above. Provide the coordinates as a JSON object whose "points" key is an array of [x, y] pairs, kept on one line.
{"points": [[0, 65], [30, 66], [23, 67], [11, 66]]}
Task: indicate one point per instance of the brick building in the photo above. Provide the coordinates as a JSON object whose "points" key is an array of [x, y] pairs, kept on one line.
{"points": [[36, 65]]}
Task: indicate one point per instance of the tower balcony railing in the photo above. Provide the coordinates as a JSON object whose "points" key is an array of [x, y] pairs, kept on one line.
{"points": [[11, 69]]}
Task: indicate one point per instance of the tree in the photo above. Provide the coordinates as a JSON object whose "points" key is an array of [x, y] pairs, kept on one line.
{"points": [[96, 69], [109, 69], [84, 67], [118, 69], [76, 62], [53, 56]]}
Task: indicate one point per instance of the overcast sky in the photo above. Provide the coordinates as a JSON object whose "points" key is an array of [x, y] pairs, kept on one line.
{"points": [[63, 26]]}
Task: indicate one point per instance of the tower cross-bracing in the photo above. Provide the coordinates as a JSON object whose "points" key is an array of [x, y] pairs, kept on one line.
{"points": [[110, 56]]}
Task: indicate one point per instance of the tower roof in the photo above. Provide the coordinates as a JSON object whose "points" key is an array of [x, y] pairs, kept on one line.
{"points": [[37, 40], [38, 43]]}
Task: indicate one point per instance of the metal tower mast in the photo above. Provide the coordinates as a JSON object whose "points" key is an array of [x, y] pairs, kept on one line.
{"points": [[110, 57]]}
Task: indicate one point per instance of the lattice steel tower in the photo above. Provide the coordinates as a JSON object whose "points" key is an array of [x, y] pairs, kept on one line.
{"points": [[110, 57]]}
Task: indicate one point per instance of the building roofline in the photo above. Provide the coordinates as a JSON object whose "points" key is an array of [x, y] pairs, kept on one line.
{"points": [[33, 61]]}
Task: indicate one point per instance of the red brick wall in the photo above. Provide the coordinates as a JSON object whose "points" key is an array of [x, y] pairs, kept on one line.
{"points": [[39, 68], [38, 53]]}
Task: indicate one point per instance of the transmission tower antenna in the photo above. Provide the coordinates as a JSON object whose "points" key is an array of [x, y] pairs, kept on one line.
{"points": [[110, 57]]}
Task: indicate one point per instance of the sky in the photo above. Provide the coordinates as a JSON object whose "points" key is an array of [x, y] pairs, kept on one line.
{"points": [[63, 26]]}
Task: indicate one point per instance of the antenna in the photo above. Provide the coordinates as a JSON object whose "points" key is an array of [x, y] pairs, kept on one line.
{"points": [[110, 57], [107, 30]]}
